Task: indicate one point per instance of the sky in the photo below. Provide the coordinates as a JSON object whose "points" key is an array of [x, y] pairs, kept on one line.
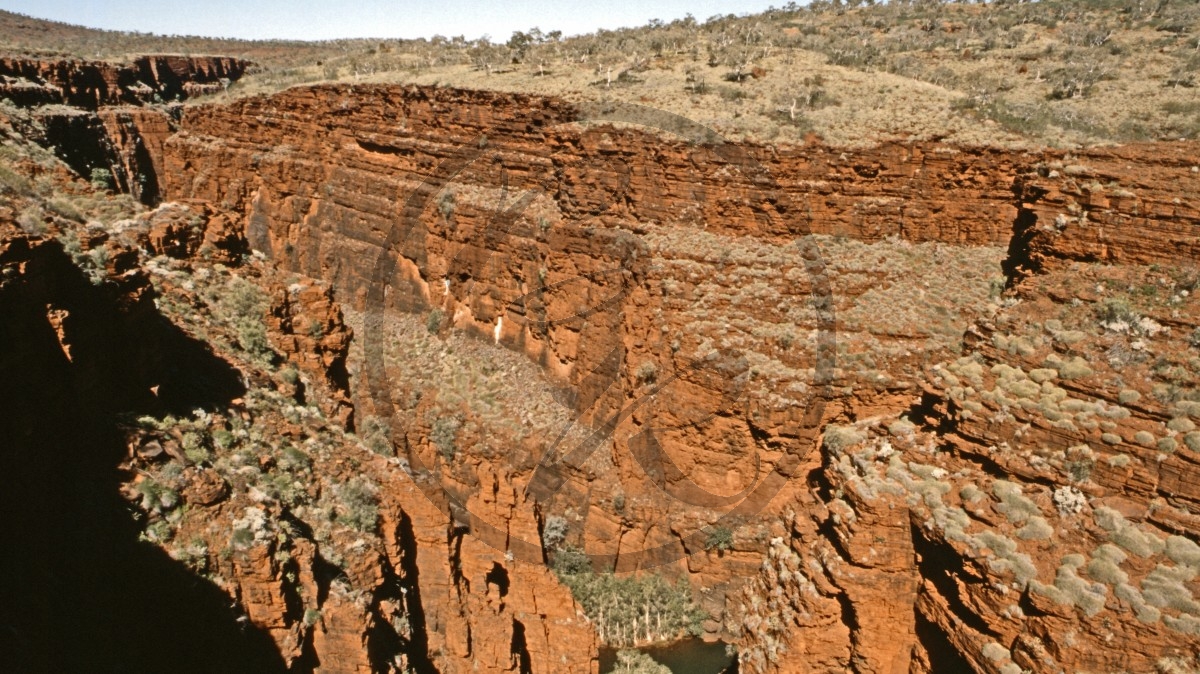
{"points": [[326, 19]]}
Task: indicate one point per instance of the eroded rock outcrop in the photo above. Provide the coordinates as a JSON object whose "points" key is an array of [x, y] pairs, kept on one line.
{"points": [[77, 356], [90, 85], [999, 489], [108, 121], [1043, 502], [435, 175]]}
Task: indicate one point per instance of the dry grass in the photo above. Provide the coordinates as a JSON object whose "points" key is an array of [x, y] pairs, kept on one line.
{"points": [[497, 396], [1058, 72], [897, 304]]}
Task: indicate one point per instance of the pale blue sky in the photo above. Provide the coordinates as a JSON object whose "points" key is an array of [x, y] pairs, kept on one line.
{"points": [[323, 19]]}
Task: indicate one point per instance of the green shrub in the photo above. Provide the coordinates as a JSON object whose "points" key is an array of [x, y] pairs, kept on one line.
{"points": [[312, 616], [997, 543], [10, 179], [223, 439], [446, 205], [1115, 412], [1183, 551], [1051, 592], [244, 305], [32, 220], [195, 447], [1036, 528], [1005, 557], [1080, 461], [838, 438], [157, 497], [1075, 368], [1164, 587], [444, 435], [902, 427], [1188, 624], [1105, 571], [1127, 535], [569, 560], [359, 504], [1181, 425], [1088, 597], [194, 555], [1192, 440], [433, 322], [376, 435], [1132, 596], [1137, 541], [1118, 460], [241, 539], [1110, 552], [1115, 312], [102, 179], [995, 652], [66, 208], [294, 460], [647, 372], [720, 538], [1043, 374], [291, 374], [970, 493]]}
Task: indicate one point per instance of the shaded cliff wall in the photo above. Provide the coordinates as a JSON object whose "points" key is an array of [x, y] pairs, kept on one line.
{"points": [[76, 358]]}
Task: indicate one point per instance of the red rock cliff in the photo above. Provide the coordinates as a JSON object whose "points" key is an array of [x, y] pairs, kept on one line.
{"points": [[93, 84], [520, 218]]}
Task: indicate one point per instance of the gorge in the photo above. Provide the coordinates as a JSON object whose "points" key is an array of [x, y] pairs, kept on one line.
{"points": [[913, 407]]}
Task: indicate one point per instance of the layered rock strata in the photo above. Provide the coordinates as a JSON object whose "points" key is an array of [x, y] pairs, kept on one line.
{"points": [[964, 373]]}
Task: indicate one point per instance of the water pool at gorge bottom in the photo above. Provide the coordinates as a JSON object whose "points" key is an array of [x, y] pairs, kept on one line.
{"points": [[689, 656]]}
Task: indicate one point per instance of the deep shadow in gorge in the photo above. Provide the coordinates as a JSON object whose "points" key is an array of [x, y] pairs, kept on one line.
{"points": [[78, 590]]}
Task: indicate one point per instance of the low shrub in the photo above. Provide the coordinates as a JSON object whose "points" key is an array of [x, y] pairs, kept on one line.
{"points": [[720, 538], [1012, 504], [1036, 528], [554, 532], [359, 504]]}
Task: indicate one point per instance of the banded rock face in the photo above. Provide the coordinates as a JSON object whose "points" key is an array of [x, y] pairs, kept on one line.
{"points": [[90, 85], [836, 287], [98, 115], [410, 588], [1039, 517]]}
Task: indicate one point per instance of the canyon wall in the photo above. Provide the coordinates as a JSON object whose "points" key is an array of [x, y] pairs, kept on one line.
{"points": [[90, 85], [516, 221], [76, 356], [509, 213], [1038, 516], [407, 592], [712, 310], [106, 116]]}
